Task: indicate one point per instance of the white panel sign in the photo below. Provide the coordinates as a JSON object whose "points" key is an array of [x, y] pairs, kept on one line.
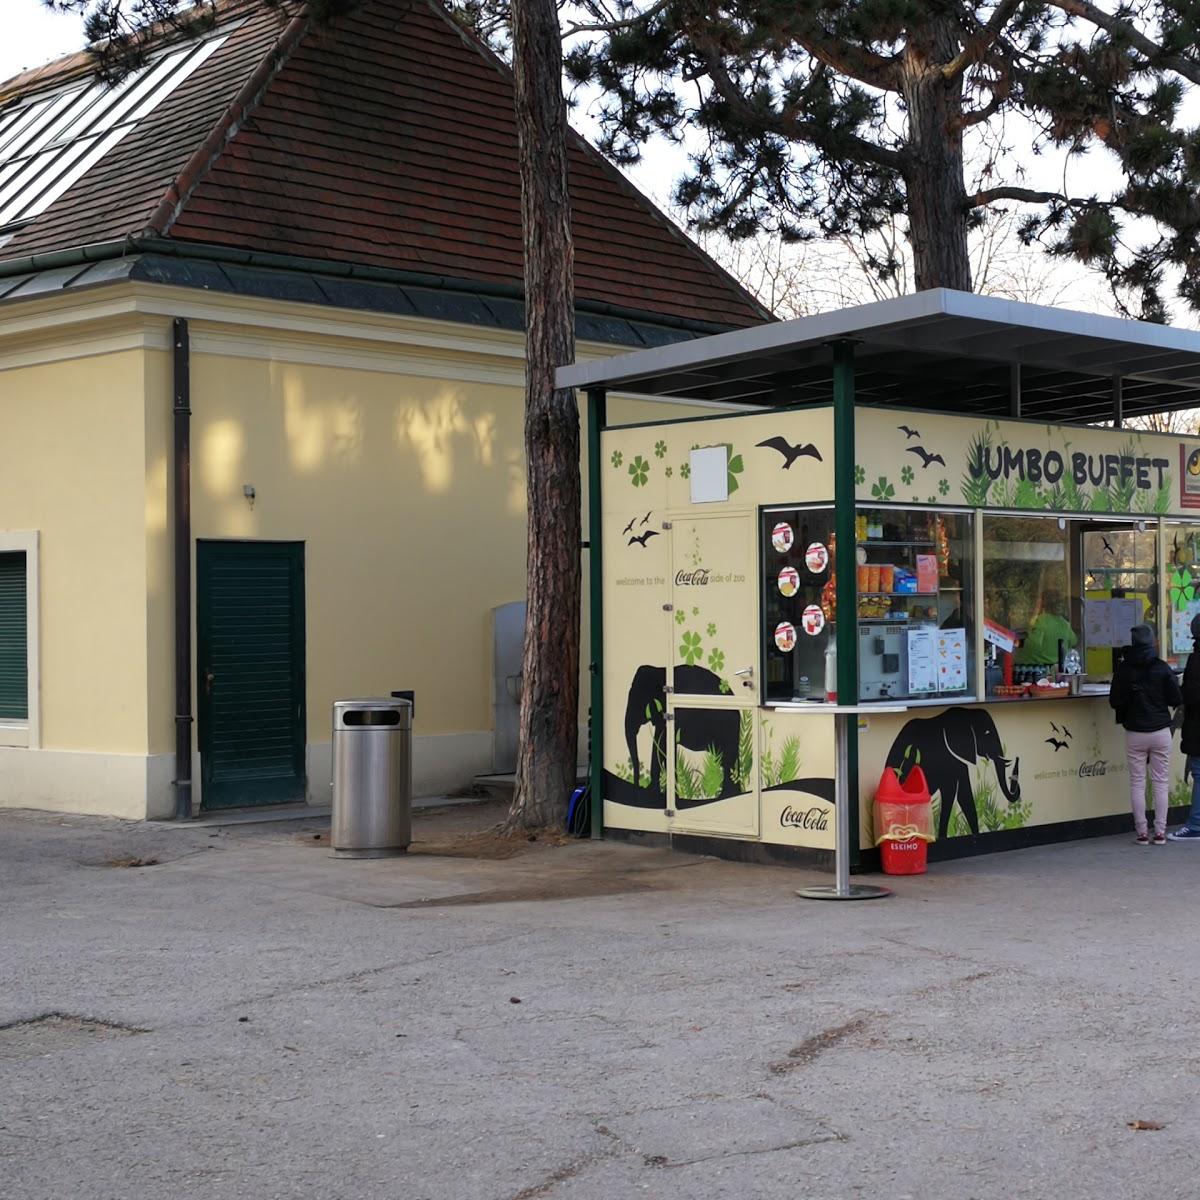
{"points": [[710, 474]]}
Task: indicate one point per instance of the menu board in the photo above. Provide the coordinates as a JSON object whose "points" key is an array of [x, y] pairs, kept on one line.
{"points": [[1108, 622], [1097, 624], [1125, 615], [951, 651], [922, 660]]}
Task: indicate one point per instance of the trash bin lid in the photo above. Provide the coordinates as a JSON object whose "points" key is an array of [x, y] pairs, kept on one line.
{"points": [[343, 709]]}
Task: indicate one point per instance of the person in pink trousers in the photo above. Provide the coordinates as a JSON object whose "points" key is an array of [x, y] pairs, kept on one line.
{"points": [[1144, 691]]}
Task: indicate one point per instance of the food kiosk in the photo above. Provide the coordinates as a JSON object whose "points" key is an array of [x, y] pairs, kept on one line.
{"points": [[924, 512]]}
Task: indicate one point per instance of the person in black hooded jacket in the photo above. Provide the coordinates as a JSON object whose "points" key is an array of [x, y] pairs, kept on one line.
{"points": [[1143, 693], [1189, 738]]}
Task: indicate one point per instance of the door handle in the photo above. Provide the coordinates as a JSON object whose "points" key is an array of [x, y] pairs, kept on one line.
{"points": [[746, 671], [208, 682]]}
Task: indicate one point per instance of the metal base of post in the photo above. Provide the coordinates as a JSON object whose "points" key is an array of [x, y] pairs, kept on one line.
{"points": [[852, 891], [842, 888], [395, 852]]}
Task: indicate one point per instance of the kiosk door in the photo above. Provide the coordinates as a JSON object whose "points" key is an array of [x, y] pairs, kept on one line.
{"points": [[712, 766]]}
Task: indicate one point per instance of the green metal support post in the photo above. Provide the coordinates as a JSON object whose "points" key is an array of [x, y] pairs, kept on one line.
{"points": [[597, 418], [845, 562], [846, 710]]}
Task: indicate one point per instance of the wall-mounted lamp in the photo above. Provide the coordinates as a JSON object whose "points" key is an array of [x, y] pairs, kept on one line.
{"points": [[1141, 527], [1062, 522], [249, 493]]}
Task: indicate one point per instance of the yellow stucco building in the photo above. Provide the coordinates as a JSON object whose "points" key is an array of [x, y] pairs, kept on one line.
{"points": [[220, 293]]}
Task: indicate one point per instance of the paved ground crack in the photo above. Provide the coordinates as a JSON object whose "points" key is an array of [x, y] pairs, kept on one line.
{"points": [[813, 1047], [819, 1140]]}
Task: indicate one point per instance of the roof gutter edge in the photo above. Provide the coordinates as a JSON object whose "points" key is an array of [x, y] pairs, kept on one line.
{"points": [[51, 260], [120, 248]]}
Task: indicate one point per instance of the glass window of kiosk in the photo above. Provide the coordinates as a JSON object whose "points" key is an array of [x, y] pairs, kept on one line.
{"points": [[916, 617], [1054, 584], [798, 603], [1183, 589]]}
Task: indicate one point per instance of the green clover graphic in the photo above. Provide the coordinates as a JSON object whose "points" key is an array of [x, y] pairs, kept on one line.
{"points": [[639, 471], [690, 649], [1182, 590], [680, 617], [860, 475], [906, 474], [882, 490], [695, 610], [616, 458], [712, 629], [660, 449], [670, 471], [716, 660], [931, 500], [944, 486], [685, 470]]}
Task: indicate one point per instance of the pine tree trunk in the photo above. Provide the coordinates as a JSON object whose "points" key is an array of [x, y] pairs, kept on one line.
{"points": [[549, 731], [937, 194]]}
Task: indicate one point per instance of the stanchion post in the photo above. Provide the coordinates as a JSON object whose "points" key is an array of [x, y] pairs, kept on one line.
{"points": [[845, 715]]}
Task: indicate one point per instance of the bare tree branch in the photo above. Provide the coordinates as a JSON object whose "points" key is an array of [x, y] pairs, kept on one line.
{"points": [[614, 26]]}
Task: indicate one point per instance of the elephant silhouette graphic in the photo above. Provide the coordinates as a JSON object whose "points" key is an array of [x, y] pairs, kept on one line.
{"points": [[695, 728], [947, 746]]}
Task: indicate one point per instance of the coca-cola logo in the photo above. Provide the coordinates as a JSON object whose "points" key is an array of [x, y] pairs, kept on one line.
{"points": [[815, 818], [697, 578], [1099, 767]]}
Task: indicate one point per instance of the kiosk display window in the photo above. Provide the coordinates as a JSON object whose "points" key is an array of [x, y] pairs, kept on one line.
{"points": [[1183, 588], [916, 625], [1052, 584], [914, 619], [799, 609]]}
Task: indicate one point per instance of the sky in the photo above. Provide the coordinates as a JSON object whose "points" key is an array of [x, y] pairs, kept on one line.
{"points": [[33, 36]]}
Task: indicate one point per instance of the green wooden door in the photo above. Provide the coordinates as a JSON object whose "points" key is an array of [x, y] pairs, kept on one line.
{"points": [[250, 672]]}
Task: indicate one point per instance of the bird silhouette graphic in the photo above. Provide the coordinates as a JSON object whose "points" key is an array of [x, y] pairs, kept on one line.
{"points": [[909, 433], [926, 457], [1052, 741], [791, 453], [643, 538], [644, 519], [1066, 732], [632, 522], [1108, 546]]}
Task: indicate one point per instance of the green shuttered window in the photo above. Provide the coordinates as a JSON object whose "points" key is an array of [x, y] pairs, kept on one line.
{"points": [[14, 638]]}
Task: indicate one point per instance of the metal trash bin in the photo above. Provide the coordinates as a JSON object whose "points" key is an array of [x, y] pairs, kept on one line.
{"points": [[372, 778]]}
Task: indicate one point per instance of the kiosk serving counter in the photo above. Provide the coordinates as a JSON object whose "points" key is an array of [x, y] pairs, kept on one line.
{"points": [[894, 552]]}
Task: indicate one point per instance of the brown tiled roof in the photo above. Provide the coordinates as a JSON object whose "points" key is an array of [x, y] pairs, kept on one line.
{"points": [[389, 141]]}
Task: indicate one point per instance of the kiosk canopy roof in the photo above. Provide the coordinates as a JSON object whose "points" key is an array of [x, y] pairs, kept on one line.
{"points": [[940, 349]]}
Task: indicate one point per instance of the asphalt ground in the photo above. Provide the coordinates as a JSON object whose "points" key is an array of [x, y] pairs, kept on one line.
{"points": [[212, 1013]]}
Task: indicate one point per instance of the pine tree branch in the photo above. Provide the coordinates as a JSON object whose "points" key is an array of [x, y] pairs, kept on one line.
{"points": [[1187, 67], [1027, 196], [978, 46], [856, 62], [827, 140], [615, 26]]}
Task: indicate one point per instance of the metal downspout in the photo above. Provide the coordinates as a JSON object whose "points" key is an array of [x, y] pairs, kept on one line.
{"points": [[182, 411]]}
